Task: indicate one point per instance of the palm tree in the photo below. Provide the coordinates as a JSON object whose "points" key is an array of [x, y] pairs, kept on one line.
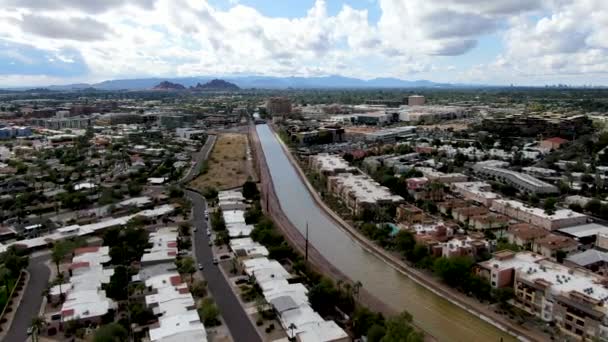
{"points": [[37, 324]]}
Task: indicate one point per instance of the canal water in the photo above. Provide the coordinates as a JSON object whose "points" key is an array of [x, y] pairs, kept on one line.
{"points": [[444, 320]]}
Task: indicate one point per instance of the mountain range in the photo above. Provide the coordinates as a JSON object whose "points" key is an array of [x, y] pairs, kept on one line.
{"points": [[261, 82]]}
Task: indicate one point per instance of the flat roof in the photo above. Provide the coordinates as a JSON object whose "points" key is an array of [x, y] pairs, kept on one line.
{"points": [[584, 230]]}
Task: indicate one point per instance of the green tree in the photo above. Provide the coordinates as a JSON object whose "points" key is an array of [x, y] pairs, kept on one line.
{"points": [[453, 271], [594, 206], [112, 332], [549, 205], [60, 250], [209, 313], [376, 333], [400, 329], [323, 297], [119, 282], [186, 265], [250, 190]]}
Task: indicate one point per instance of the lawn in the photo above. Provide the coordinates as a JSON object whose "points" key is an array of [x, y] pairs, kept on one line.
{"points": [[227, 166]]}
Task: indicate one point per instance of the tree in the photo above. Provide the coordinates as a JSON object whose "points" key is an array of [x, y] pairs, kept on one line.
{"points": [[199, 288], [209, 313], [323, 297], [364, 319], [112, 332], [399, 329], [119, 282], [186, 265], [184, 229], [404, 241], [60, 250], [38, 323], [250, 190], [549, 205], [376, 333], [453, 271], [594, 206]]}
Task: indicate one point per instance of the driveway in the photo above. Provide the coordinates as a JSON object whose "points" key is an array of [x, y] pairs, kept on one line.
{"points": [[239, 324], [32, 299]]}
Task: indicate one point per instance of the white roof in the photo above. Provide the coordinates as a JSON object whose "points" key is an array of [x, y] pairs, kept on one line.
{"points": [[82, 186], [137, 201], [233, 216], [239, 229], [558, 215], [249, 246], [330, 162], [365, 189], [585, 230], [157, 180], [265, 270], [179, 328], [322, 332]]}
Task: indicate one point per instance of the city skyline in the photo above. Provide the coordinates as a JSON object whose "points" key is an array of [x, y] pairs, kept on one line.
{"points": [[532, 42]]}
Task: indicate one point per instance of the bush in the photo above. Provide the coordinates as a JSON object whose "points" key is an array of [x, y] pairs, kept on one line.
{"points": [[259, 322]]}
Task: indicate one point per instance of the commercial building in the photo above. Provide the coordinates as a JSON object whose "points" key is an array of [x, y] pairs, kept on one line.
{"points": [[391, 134], [57, 123], [111, 119], [561, 218], [521, 181], [278, 106], [595, 260], [572, 298], [361, 192], [548, 124], [11, 132], [416, 100], [430, 114]]}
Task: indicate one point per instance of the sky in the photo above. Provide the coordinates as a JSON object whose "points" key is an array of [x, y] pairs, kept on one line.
{"points": [[520, 42]]}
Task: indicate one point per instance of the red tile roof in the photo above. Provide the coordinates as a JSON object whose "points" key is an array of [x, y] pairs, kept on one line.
{"points": [[172, 244], [79, 264], [175, 280], [83, 250], [68, 312], [184, 290]]}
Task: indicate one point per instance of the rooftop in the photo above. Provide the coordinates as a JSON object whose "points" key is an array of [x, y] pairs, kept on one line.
{"points": [[558, 215]]}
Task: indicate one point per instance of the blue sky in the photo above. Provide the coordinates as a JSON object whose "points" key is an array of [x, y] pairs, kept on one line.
{"points": [[531, 42]]}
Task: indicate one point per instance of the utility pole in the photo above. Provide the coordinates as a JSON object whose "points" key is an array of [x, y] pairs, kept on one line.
{"points": [[306, 248]]}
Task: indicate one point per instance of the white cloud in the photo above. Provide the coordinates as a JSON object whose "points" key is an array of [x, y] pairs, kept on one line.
{"points": [[191, 37]]}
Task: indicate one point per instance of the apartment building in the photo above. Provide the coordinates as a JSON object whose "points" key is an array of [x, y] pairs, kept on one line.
{"points": [[572, 298], [329, 164], [551, 244], [361, 192], [464, 246], [479, 192], [410, 214], [523, 182], [441, 177], [524, 234], [561, 218]]}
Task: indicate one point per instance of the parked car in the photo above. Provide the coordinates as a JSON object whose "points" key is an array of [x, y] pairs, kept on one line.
{"points": [[215, 261], [200, 267]]}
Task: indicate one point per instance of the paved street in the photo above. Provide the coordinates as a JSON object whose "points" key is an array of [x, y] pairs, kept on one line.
{"points": [[32, 299], [198, 158], [234, 315]]}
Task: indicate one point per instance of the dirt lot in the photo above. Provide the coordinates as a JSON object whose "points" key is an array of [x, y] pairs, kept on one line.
{"points": [[227, 166]]}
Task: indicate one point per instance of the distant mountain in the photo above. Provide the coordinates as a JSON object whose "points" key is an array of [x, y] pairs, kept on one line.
{"points": [[215, 85], [166, 85], [262, 82]]}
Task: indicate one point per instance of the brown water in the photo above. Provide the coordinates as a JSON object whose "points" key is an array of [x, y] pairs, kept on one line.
{"points": [[444, 320]]}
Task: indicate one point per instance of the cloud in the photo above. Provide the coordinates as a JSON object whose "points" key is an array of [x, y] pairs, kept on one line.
{"points": [[86, 6], [81, 29], [115, 38]]}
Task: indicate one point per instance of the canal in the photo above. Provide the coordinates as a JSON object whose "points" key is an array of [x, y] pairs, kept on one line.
{"points": [[444, 320]]}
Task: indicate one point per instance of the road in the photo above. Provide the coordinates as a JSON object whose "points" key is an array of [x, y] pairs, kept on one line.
{"points": [[32, 299], [240, 326], [198, 159]]}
